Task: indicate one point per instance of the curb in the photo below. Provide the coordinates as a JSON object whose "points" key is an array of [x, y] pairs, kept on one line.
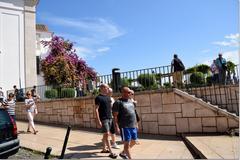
{"points": [[197, 154]]}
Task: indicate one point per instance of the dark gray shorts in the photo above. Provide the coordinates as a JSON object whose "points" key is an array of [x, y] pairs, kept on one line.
{"points": [[108, 126]]}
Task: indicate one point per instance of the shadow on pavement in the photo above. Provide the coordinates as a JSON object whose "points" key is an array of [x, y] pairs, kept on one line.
{"points": [[84, 148], [91, 155], [159, 137], [23, 132]]}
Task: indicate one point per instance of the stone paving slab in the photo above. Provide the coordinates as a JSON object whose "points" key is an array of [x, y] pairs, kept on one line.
{"points": [[217, 147], [86, 144]]}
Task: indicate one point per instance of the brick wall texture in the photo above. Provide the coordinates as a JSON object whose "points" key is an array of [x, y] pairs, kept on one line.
{"points": [[165, 113]]}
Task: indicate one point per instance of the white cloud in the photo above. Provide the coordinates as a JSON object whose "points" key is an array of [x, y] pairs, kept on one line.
{"points": [[83, 52], [104, 49], [232, 56], [92, 26], [232, 40], [90, 35], [233, 36]]}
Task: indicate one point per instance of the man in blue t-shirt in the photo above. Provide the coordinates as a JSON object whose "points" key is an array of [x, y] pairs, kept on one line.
{"points": [[222, 67], [104, 120], [125, 121]]}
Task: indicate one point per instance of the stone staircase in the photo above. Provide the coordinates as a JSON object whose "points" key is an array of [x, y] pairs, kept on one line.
{"points": [[225, 97]]}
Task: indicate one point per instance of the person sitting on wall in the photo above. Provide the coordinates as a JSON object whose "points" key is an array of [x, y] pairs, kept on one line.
{"points": [[18, 93], [34, 93], [15, 91]]}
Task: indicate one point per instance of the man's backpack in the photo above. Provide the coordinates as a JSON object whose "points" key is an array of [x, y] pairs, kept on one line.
{"points": [[179, 65], [182, 67]]}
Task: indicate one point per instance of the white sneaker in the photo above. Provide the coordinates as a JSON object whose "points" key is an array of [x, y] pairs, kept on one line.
{"points": [[115, 146]]}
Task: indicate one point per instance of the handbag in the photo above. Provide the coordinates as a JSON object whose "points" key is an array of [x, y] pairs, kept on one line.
{"points": [[35, 111], [137, 116]]}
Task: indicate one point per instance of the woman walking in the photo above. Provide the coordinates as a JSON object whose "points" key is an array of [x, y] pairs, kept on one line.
{"points": [[30, 107]]}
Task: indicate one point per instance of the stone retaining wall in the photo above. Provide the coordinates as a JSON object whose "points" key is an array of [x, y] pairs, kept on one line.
{"points": [[166, 113]]}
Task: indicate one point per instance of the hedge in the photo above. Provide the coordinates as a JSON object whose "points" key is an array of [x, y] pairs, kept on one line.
{"points": [[51, 93]]}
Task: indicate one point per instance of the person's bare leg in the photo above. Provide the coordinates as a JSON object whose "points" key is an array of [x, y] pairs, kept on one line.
{"points": [[132, 143], [127, 149], [113, 136], [104, 144], [107, 142]]}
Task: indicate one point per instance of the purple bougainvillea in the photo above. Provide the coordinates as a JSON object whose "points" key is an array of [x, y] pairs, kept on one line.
{"points": [[62, 66]]}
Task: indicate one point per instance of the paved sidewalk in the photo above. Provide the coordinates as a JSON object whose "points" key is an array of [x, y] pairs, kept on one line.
{"points": [[86, 144], [217, 147]]}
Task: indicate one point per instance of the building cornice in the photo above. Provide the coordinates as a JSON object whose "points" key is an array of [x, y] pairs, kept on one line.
{"points": [[30, 5]]}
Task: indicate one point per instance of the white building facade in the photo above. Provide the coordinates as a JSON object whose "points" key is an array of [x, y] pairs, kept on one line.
{"points": [[17, 43], [42, 34]]}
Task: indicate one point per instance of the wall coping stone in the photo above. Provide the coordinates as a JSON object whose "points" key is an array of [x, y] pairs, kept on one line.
{"points": [[205, 104]]}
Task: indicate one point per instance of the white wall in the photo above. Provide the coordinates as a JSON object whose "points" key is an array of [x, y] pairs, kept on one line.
{"points": [[42, 36], [42, 51], [17, 43], [11, 44], [12, 4]]}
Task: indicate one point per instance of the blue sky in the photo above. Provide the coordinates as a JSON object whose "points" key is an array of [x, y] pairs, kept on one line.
{"points": [[136, 34]]}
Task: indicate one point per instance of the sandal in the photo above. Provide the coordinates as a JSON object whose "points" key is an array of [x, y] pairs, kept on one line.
{"points": [[35, 132], [105, 151], [113, 155], [123, 155]]}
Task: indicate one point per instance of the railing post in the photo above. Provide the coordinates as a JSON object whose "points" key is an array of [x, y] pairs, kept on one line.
{"points": [[116, 80]]}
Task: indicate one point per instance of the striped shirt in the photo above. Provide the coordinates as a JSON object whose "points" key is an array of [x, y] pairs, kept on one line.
{"points": [[10, 106]]}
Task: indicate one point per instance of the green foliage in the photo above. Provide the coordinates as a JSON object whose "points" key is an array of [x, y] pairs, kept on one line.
{"points": [[209, 80], [146, 80], [62, 66], [190, 70], [125, 82], [198, 68], [197, 78], [202, 68], [51, 93], [167, 85], [95, 92], [59, 72], [67, 93], [154, 86], [158, 76], [231, 66], [137, 89]]}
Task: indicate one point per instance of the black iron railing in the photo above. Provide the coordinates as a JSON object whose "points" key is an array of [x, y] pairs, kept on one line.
{"points": [[221, 93], [224, 96], [158, 78]]}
